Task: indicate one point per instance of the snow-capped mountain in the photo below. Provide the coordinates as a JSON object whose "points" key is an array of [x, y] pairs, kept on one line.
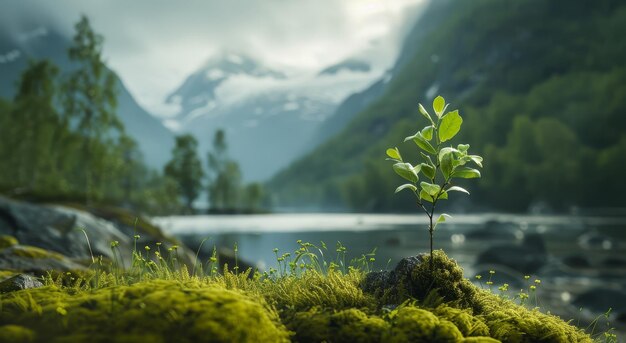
{"points": [[270, 116]]}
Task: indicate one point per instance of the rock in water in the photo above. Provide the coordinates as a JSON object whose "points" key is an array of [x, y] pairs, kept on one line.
{"points": [[19, 282], [526, 258]]}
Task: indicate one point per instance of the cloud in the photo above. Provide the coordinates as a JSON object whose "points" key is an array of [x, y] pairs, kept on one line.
{"points": [[155, 44]]}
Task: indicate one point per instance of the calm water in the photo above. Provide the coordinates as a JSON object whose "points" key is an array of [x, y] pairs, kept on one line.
{"points": [[570, 254]]}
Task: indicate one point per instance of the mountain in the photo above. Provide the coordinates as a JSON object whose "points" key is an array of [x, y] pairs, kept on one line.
{"points": [[198, 90], [347, 65], [539, 84], [270, 117], [16, 48]]}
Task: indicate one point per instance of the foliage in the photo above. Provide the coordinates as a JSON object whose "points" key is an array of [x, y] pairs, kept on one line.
{"points": [[185, 169], [440, 165], [224, 175], [89, 102], [62, 140]]}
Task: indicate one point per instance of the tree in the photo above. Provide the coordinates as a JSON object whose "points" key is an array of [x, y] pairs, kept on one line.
{"points": [[224, 175], [185, 169], [253, 196], [36, 128], [90, 100]]}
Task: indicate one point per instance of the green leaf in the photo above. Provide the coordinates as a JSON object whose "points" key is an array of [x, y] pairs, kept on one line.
{"points": [[431, 189], [441, 219], [427, 132], [394, 153], [425, 113], [428, 170], [438, 105], [425, 196], [406, 171], [423, 143], [463, 147], [446, 165], [445, 151], [466, 173], [458, 189], [450, 126], [427, 158], [477, 159], [417, 168], [406, 186]]}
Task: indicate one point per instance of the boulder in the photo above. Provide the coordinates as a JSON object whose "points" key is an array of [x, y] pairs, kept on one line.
{"points": [[527, 257], [72, 231], [495, 230], [35, 260], [58, 229], [19, 282], [413, 279], [600, 299]]}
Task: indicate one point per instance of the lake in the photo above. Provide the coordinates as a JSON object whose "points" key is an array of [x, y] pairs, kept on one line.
{"points": [[581, 260]]}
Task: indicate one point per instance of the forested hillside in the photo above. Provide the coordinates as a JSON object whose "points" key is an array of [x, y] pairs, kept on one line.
{"points": [[540, 84]]}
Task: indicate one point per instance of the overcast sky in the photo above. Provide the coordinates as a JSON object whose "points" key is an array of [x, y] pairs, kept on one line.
{"points": [[155, 44]]}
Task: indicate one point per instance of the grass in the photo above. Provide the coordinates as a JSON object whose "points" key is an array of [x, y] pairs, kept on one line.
{"points": [[309, 297]]}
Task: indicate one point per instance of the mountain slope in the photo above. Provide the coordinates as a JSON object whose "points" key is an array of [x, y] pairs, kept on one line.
{"points": [[538, 83], [270, 118], [154, 140]]}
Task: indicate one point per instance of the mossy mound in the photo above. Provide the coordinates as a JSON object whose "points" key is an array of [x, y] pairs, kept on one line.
{"points": [[414, 306], [7, 241], [169, 311], [16, 334], [473, 310]]}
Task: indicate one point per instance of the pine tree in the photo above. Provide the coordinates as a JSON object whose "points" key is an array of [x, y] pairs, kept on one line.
{"points": [[91, 101], [225, 175], [185, 169], [36, 129]]}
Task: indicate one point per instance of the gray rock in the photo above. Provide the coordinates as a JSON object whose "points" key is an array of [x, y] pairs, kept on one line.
{"points": [[19, 282], [600, 299], [375, 281], [57, 228], [35, 260], [494, 230], [526, 258]]}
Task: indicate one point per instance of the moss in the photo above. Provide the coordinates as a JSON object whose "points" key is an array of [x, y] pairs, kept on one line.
{"points": [[468, 324], [412, 324], [7, 241], [34, 252], [167, 309], [334, 291], [16, 334], [480, 340], [5, 274], [170, 305], [350, 325], [504, 320]]}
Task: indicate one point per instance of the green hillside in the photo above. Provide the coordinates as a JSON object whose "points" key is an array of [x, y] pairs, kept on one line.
{"points": [[540, 84]]}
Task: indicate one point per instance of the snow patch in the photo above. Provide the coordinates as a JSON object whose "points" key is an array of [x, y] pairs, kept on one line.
{"points": [[291, 106], [172, 125], [234, 59], [214, 74], [36, 33], [10, 56]]}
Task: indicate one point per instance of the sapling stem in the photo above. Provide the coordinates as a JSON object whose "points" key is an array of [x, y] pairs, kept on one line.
{"points": [[449, 162]]}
